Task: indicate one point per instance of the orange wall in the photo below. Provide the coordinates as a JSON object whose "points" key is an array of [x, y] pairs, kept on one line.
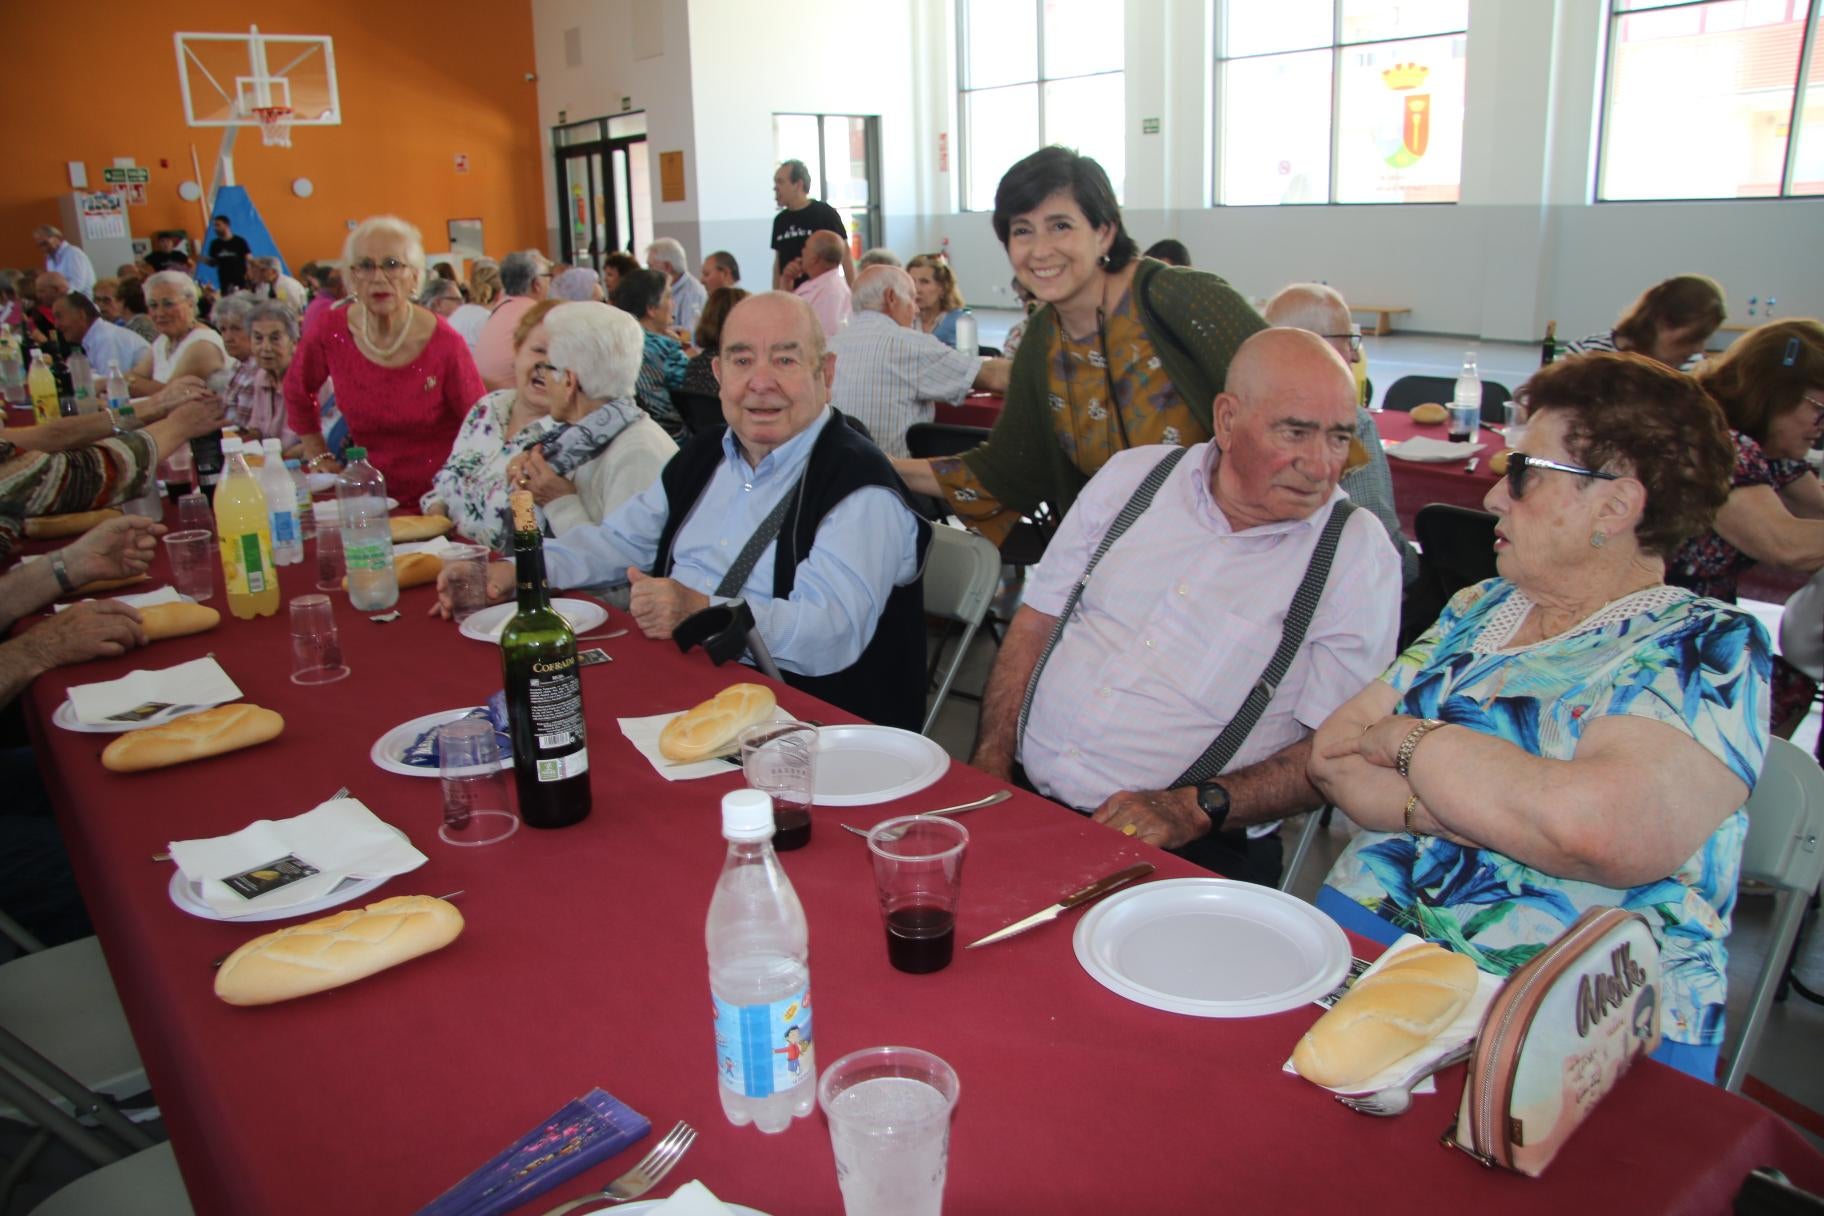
{"points": [[419, 83]]}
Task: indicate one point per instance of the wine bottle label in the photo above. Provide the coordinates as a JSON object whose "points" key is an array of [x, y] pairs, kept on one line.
{"points": [[763, 1050], [554, 698]]}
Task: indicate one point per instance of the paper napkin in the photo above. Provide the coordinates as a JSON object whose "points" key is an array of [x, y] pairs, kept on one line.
{"points": [[145, 599], [643, 733], [200, 682]]}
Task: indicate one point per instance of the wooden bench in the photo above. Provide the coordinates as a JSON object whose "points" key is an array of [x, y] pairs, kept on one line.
{"points": [[1384, 325]]}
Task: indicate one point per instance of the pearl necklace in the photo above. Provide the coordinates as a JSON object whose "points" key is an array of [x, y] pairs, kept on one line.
{"points": [[405, 330]]}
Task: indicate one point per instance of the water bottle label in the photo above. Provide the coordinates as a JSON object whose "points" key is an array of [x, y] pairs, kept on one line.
{"points": [[763, 1050], [284, 528], [369, 556]]}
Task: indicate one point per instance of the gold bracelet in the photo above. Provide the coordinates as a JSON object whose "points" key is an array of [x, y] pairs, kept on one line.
{"points": [[1412, 803], [1403, 761]]}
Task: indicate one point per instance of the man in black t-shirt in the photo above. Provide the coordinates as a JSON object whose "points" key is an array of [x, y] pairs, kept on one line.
{"points": [[802, 216], [228, 254], [167, 250]]}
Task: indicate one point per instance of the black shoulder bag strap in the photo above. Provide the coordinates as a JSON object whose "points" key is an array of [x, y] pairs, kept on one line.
{"points": [[1216, 757], [749, 557], [1135, 508]]}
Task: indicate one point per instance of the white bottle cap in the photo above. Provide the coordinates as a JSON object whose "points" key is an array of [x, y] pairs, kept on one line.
{"points": [[747, 815], [271, 446], [230, 445]]}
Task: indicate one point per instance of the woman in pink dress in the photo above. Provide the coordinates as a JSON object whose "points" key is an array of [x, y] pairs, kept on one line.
{"points": [[403, 378]]}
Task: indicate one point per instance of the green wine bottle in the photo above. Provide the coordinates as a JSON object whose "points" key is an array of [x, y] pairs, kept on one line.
{"points": [[544, 693]]}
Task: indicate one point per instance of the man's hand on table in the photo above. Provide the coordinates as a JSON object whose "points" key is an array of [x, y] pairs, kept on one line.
{"points": [[660, 605], [119, 548], [1169, 819], [92, 630], [501, 580]]}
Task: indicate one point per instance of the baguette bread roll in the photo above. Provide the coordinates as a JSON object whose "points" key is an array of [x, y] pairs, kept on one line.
{"points": [[336, 950], [413, 569], [50, 527], [177, 620], [1497, 464], [419, 527], [1430, 413], [704, 730], [110, 584], [1386, 1017], [211, 732]]}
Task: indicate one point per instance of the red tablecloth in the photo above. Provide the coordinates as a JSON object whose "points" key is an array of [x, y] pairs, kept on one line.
{"points": [[977, 409], [583, 965]]}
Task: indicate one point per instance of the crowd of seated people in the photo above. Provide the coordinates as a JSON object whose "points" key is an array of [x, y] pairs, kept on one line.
{"points": [[1234, 445]]}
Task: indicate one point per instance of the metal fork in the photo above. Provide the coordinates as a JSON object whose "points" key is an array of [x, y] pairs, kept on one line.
{"points": [[1395, 1098], [642, 1177], [963, 809]]}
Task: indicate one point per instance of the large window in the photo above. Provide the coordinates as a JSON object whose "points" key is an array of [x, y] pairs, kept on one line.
{"points": [[1037, 72], [842, 151], [1340, 101], [1702, 100]]}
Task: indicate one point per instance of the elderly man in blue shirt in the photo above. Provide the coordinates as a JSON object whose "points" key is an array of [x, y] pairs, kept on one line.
{"points": [[104, 344], [67, 260], [688, 296], [836, 592]]}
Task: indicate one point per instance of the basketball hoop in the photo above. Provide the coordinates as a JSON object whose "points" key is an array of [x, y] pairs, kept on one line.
{"points": [[275, 125]]}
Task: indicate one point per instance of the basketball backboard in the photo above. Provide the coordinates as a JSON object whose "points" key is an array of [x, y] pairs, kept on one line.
{"points": [[225, 77]]}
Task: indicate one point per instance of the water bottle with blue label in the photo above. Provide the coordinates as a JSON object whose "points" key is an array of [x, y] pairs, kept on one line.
{"points": [[1466, 404], [759, 976]]}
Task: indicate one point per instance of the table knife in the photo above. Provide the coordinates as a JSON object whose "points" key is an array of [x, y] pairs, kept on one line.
{"points": [[1096, 889]]}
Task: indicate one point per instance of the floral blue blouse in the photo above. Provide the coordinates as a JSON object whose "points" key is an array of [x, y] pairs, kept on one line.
{"points": [[1695, 664], [472, 484]]}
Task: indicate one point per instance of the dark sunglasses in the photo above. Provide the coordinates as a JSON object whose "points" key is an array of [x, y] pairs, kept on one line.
{"points": [[1520, 466]]}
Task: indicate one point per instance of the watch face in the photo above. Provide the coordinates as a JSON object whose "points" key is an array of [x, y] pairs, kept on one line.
{"points": [[1214, 800]]}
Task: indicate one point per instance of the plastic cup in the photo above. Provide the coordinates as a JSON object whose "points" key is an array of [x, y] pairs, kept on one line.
{"points": [[316, 645], [918, 872], [477, 809], [465, 569], [889, 1111], [1516, 423], [195, 514], [780, 759], [331, 566], [192, 554]]}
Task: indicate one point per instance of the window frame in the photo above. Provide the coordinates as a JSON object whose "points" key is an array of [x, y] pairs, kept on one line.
{"points": [[1038, 84], [820, 184], [1336, 47], [1795, 116]]}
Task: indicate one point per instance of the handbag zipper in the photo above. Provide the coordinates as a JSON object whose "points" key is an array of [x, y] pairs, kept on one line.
{"points": [[1483, 1131]]}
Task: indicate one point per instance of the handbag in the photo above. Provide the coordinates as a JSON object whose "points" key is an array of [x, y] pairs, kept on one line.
{"points": [[1556, 1038]]}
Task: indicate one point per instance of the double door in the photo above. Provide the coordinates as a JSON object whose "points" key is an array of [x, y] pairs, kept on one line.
{"points": [[604, 188]]}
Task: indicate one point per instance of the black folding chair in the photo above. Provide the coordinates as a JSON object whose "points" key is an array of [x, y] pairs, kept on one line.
{"points": [[1409, 391], [700, 411], [1456, 548]]}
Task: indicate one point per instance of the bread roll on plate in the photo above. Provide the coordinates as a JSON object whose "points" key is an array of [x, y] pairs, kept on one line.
{"points": [[1386, 1016], [177, 620], [211, 732], [419, 527], [1497, 464], [703, 730], [413, 569], [1429, 414], [50, 527], [336, 950]]}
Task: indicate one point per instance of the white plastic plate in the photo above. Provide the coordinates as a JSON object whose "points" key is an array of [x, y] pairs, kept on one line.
{"points": [[485, 626], [862, 765], [189, 899], [390, 747]]}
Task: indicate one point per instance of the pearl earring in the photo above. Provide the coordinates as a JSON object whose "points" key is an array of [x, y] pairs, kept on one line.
{"points": [[1598, 539]]}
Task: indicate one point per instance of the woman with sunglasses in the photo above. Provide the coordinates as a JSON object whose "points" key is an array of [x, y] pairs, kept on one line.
{"points": [[1770, 384], [404, 379], [1123, 351], [1574, 732]]}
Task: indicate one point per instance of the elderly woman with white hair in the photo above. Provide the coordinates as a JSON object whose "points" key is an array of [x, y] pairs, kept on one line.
{"points": [[254, 401], [184, 346], [404, 380], [576, 285], [610, 450]]}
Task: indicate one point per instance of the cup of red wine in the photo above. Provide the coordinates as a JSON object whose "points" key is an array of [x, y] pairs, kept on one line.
{"points": [[918, 873], [780, 759]]}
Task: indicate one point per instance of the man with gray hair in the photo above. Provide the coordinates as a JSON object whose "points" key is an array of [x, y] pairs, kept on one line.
{"points": [[1368, 481], [525, 277], [272, 283], [889, 372], [687, 295], [799, 217], [64, 258], [826, 291], [877, 256], [721, 270]]}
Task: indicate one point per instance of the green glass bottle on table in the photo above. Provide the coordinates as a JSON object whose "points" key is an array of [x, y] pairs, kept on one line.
{"points": [[544, 691]]}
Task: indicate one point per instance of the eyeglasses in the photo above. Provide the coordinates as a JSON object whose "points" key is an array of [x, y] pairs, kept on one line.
{"points": [[1354, 341], [1520, 466], [1812, 401], [388, 267]]}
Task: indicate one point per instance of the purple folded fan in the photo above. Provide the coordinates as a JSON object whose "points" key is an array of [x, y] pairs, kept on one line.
{"points": [[585, 1132]]}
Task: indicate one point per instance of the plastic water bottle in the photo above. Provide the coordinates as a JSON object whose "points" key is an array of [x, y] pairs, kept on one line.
{"points": [[12, 368], [1466, 404], [968, 337], [367, 537], [282, 506], [759, 976], [300, 484], [82, 383], [119, 396], [148, 504]]}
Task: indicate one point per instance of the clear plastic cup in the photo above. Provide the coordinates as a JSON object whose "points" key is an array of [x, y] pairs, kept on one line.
{"points": [[195, 514], [780, 759], [192, 556], [331, 566], [918, 873], [316, 644], [465, 569], [477, 809], [889, 1110]]}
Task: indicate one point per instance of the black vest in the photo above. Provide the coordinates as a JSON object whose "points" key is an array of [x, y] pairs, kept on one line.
{"points": [[887, 683]]}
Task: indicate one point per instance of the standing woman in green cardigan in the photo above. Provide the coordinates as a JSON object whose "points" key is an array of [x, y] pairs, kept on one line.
{"points": [[1125, 351]]}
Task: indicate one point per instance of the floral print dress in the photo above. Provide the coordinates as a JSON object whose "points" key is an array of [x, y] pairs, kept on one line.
{"points": [[1694, 664], [472, 484]]}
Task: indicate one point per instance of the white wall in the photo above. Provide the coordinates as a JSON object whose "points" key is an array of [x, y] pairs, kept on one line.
{"points": [[1524, 245]]}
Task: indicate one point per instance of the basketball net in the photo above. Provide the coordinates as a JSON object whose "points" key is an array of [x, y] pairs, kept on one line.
{"points": [[275, 125]]}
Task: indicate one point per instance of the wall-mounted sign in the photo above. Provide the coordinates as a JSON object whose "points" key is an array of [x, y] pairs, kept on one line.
{"points": [[671, 177], [943, 151], [126, 175], [1149, 126], [462, 162]]}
